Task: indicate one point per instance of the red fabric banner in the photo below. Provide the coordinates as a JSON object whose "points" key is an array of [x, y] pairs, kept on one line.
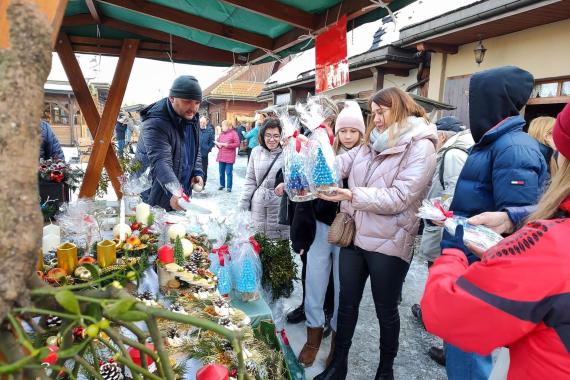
{"points": [[331, 63]]}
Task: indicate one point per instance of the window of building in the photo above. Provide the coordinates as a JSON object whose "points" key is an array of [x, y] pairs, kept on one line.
{"points": [[550, 91]]}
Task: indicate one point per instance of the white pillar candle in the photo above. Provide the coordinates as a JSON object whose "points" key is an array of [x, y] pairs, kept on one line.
{"points": [[176, 230], [122, 224], [51, 229], [50, 242], [143, 211]]}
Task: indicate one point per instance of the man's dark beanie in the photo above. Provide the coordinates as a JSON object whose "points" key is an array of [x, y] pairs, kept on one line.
{"points": [[450, 124], [186, 87]]}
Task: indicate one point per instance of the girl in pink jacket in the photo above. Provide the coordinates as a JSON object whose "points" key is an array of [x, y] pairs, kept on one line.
{"points": [[227, 143], [388, 177]]}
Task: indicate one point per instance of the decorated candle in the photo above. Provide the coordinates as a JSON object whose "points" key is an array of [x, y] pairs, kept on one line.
{"points": [[52, 229], [106, 253], [143, 211], [67, 257], [50, 242], [176, 230], [166, 254]]}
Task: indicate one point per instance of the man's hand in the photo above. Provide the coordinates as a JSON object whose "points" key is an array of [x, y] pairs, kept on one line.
{"points": [[280, 189], [339, 195], [174, 203], [498, 221], [197, 180]]}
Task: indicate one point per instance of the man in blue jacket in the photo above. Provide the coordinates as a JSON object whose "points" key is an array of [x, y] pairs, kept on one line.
{"points": [[207, 138], [504, 169], [169, 143], [50, 147]]}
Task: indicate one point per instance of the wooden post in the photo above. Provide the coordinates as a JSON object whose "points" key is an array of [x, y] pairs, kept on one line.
{"points": [[53, 9], [102, 138], [377, 78], [85, 101]]}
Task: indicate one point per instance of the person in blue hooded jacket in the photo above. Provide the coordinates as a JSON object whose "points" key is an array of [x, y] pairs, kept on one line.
{"points": [[50, 147], [170, 143], [505, 169]]}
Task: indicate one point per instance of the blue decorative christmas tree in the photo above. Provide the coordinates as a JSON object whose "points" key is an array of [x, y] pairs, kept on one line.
{"points": [[298, 183], [322, 174], [247, 282], [224, 280]]}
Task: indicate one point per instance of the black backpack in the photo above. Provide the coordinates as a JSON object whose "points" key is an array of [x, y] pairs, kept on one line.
{"points": [[442, 164]]}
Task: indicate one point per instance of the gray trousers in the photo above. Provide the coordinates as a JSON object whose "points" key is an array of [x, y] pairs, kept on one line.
{"points": [[321, 258]]}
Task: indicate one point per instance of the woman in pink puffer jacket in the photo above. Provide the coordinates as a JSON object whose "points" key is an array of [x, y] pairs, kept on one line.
{"points": [[388, 177], [227, 143]]}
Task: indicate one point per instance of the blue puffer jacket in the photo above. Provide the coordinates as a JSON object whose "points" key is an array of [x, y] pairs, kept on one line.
{"points": [[162, 147], [49, 147], [207, 137], [505, 167]]}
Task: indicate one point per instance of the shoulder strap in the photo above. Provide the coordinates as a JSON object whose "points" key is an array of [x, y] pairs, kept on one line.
{"points": [[442, 164], [265, 175]]}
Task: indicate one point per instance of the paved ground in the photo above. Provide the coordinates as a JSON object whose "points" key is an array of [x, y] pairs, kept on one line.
{"points": [[412, 361]]}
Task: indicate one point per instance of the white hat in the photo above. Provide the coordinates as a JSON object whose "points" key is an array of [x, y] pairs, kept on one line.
{"points": [[350, 117]]}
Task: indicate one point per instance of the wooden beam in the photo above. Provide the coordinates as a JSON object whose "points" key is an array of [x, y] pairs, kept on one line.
{"points": [[352, 9], [81, 19], [438, 48], [112, 42], [94, 11], [52, 9], [148, 54], [195, 22], [102, 138], [397, 72], [277, 11], [377, 78], [85, 101]]}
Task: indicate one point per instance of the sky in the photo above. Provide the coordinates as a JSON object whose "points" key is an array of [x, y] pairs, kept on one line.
{"points": [[150, 79]]}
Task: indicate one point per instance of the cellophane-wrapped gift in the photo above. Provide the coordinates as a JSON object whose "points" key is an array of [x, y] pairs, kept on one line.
{"points": [[220, 257], [295, 157], [79, 225], [132, 186], [476, 235], [323, 172], [246, 265]]}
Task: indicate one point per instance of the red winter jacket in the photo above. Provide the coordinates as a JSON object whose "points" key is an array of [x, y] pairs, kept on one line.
{"points": [[518, 296], [227, 154]]}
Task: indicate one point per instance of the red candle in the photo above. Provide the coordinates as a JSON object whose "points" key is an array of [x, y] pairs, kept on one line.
{"points": [[212, 372], [166, 254]]}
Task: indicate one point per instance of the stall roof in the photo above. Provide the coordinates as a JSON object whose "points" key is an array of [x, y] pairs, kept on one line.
{"points": [[211, 32]]}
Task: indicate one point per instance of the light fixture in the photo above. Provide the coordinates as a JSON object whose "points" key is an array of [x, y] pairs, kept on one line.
{"points": [[479, 51]]}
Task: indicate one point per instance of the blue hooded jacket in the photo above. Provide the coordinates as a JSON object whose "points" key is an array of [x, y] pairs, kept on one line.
{"points": [[168, 144], [505, 168], [50, 147]]}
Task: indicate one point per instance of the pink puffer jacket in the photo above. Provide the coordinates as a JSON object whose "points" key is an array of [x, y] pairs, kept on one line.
{"points": [[388, 188], [227, 154]]}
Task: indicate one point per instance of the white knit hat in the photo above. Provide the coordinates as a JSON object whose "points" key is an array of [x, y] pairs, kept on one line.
{"points": [[350, 117]]}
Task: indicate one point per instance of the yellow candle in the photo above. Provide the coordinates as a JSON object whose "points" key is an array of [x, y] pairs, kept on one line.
{"points": [[67, 257], [40, 264], [106, 253]]}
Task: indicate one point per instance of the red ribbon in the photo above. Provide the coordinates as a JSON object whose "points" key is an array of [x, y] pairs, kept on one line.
{"points": [[255, 245], [184, 196], [447, 214], [221, 251], [329, 132], [297, 141], [284, 337]]}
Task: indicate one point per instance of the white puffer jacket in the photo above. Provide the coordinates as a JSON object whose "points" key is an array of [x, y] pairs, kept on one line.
{"points": [[264, 203]]}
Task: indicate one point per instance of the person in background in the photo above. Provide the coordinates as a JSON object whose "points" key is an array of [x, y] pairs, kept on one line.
{"points": [[540, 129], [207, 138], [517, 295], [227, 143], [258, 193], [50, 147], [251, 136], [169, 143], [388, 177], [454, 141], [505, 168], [120, 133]]}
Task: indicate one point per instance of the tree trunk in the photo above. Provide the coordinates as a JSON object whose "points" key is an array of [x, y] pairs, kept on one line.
{"points": [[24, 68]]}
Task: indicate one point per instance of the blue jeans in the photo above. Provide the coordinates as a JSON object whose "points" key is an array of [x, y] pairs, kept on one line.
{"points": [[226, 170], [461, 365]]}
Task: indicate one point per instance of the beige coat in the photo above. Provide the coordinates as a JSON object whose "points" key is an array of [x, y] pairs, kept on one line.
{"points": [[388, 188], [264, 204]]}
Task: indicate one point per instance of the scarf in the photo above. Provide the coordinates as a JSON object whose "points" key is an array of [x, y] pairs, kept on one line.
{"points": [[380, 141]]}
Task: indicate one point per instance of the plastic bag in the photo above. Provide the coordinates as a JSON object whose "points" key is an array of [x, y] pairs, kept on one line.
{"points": [[132, 186], [220, 257], [295, 158], [479, 236], [322, 168]]}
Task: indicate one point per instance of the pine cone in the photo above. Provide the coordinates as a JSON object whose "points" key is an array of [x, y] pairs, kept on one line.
{"points": [[191, 267], [197, 258], [111, 371], [53, 321], [251, 367], [224, 321]]}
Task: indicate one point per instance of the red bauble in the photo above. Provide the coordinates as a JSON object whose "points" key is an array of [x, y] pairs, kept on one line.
{"points": [[166, 254], [212, 372], [135, 355], [51, 358], [56, 176]]}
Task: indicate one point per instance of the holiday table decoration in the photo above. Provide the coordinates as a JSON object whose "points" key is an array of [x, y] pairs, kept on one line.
{"points": [[67, 257], [106, 253]]}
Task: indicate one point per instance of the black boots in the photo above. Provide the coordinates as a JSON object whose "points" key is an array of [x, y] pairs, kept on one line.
{"points": [[297, 315], [385, 368], [338, 368]]}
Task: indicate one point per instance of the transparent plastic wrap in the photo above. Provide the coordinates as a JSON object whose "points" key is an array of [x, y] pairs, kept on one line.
{"points": [[478, 236], [295, 156], [323, 176], [185, 202], [221, 262], [79, 225], [132, 186], [246, 265], [277, 309]]}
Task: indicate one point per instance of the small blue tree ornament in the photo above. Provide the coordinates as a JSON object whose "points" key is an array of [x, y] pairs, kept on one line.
{"points": [[247, 282], [322, 173], [224, 280], [298, 183]]}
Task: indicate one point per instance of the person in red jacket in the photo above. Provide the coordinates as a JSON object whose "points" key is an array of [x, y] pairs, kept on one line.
{"points": [[227, 143], [518, 296]]}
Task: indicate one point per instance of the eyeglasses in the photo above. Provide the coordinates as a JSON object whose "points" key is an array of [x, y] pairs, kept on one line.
{"points": [[272, 137]]}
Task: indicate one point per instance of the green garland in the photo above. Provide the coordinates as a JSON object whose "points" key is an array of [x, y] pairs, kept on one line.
{"points": [[279, 267]]}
